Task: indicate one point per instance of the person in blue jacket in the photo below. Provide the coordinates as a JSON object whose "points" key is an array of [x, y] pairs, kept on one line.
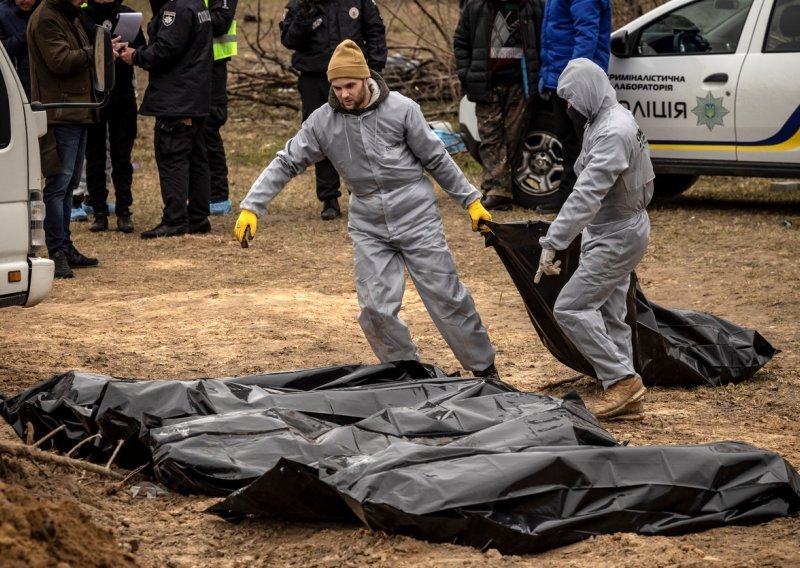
{"points": [[570, 29]]}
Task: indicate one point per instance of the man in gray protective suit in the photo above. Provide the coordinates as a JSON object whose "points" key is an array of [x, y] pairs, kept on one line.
{"points": [[379, 142], [614, 186]]}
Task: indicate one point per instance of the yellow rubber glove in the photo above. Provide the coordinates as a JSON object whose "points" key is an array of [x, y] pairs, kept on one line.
{"points": [[477, 213], [247, 219]]}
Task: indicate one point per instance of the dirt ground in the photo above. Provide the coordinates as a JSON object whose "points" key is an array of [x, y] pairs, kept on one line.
{"points": [[200, 306]]}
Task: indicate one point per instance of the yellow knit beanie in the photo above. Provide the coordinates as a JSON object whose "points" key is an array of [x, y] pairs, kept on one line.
{"points": [[347, 62]]}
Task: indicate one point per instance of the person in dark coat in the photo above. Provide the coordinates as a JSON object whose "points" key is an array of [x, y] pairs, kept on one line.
{"points": [[496, 45], [178, 57], [116, 124], [313, 29], [14, 16], [61, 59]]}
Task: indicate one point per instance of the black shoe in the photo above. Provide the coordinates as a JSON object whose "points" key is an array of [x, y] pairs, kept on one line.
{"points": [[124, 224], [330, 210], [489, 372], [99, 224], [497, 203], [62, 265], [77, 260], [200, 228], [163, 230]]}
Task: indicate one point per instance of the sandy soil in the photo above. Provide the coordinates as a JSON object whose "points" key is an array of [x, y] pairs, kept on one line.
{"points": [[200, 306]]}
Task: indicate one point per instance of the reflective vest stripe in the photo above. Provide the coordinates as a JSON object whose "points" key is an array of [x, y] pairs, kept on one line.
{"points": [[225, 45]]}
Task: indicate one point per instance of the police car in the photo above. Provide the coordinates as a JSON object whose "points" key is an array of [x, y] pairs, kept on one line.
{"points": [[714, 84]]}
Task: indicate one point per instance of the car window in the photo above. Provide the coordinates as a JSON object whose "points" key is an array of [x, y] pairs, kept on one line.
{"points": [[707, 26], [5, 115], [784, 27]]}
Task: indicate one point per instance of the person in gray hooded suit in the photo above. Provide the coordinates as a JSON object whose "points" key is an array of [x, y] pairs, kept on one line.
{"points": [[380, 144], [608, 205]]}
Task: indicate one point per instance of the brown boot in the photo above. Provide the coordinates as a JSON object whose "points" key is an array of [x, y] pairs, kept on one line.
{"points": [[621, 399]]}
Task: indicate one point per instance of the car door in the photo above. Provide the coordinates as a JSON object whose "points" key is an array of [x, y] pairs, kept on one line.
{"points": [[680, 80], [768, 99]]}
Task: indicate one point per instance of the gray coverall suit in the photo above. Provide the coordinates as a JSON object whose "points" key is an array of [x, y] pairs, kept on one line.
{"points": [[380, 153], [614, 186]]}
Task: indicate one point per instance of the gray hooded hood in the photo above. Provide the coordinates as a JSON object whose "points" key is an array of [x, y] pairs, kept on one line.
{"points": [[615, 175]]}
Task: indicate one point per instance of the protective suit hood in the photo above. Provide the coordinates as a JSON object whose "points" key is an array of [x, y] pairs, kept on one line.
{"points": [[587, 88]]}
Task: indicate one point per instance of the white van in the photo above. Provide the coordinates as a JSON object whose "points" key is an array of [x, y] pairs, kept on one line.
{"points": [[25, 279], [714, 84]]}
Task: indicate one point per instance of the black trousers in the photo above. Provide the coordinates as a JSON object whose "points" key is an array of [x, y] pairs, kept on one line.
{"points": [[571, 142], [314, 90], [217, 164], [117, 126], [180, 149]]}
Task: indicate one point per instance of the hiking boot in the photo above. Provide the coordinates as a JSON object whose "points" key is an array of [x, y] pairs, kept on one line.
{"points": [[497, 203], [489, 372], [330, 210], [62, 266], [163, 230], [99, 224], [634, 411], [622, 398], [124, 224], [220, 207], [77, 260]]}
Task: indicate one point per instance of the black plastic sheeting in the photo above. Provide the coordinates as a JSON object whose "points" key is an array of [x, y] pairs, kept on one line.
{"points": [[405, 449], [671, 347]]}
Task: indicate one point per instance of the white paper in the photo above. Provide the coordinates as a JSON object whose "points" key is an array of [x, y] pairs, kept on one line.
{"points": [[128, 26]]}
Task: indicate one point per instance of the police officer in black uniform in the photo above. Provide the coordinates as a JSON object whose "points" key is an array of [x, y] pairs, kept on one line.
{"points": [[116, 123], [313, 28], [178, 57]]}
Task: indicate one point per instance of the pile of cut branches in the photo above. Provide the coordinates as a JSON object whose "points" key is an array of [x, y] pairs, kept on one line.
{"points": [[420, 63]]}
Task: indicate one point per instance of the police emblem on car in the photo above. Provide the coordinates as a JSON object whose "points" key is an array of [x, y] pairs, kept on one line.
{"points": [[168, 18]]}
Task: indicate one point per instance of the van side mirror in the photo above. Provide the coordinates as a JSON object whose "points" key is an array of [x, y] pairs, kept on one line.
{"points": [[621, 45], [103, 72]]}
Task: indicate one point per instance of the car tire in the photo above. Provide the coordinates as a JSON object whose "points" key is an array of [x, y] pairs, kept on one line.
{"points": [[538, 176], [670, 185]]}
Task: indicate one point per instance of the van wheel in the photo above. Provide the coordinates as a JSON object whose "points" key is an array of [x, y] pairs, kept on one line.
{"points": [[670, 185], [541, 167]]}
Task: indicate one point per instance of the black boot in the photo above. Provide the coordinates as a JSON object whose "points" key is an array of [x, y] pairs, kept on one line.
{"points": [[99, 224], [124, 224], [62, 266], [330, 210], [78, 260], [163, 230]]}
